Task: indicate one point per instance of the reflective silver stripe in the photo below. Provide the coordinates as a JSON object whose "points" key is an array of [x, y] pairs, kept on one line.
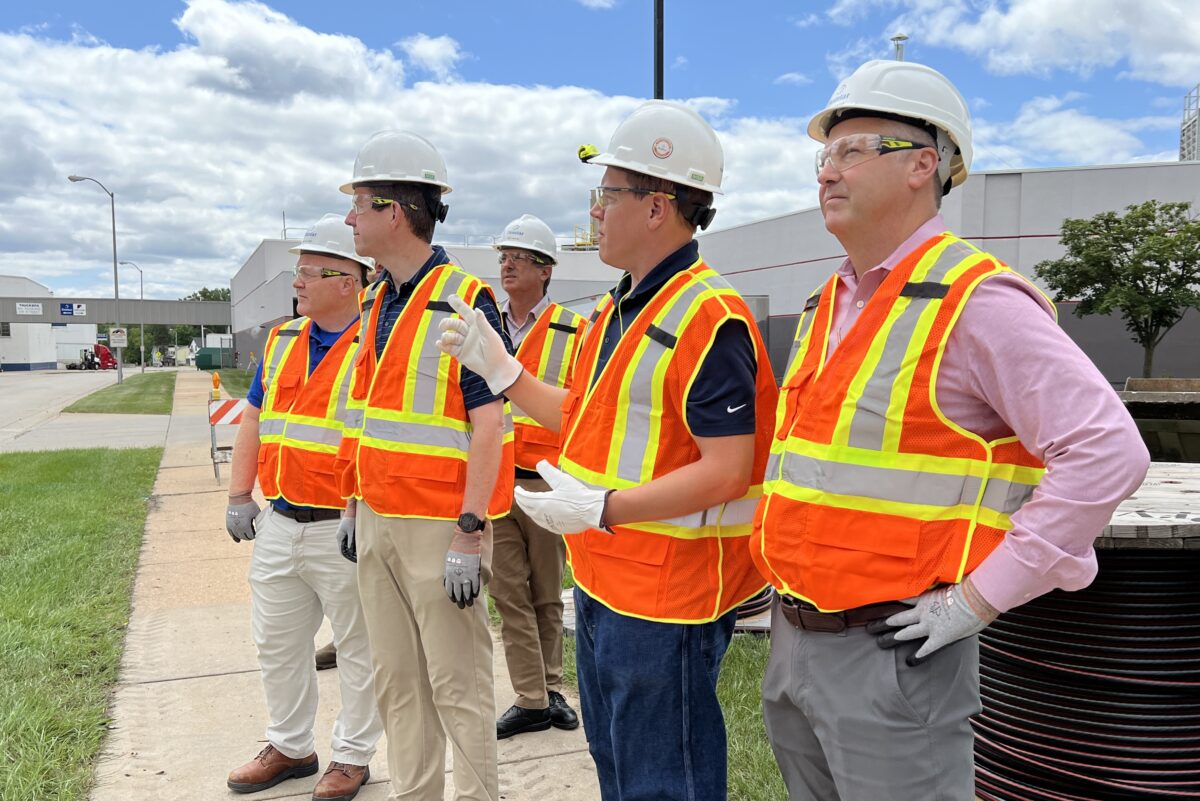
{"points": [[733, 513], [341, 411], [870, 413], [415, 434], [432, 366], [556, 371], [279, 348], [271, 426], [805, 323], [635, 445], [353, 418], [317, 435], [922, 488]]}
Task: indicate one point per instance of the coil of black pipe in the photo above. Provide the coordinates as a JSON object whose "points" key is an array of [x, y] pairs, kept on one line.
{"points": [[1095, 695]]}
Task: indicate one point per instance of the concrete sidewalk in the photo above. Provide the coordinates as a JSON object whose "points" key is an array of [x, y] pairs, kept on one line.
{"points": [[189, 705]]}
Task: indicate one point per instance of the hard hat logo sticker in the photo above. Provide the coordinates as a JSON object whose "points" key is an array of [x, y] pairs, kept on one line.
{"points": [[662, 147]]}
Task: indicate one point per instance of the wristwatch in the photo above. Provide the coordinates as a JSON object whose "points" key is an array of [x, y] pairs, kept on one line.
{"points": [[469, 523]]}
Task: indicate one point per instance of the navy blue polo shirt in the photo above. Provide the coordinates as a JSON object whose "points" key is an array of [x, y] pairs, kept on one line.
{"points": [[721, 400], [319, 343]]}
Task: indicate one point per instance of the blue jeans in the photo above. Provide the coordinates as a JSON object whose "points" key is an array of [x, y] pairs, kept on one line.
{"points": [[648, 693]]}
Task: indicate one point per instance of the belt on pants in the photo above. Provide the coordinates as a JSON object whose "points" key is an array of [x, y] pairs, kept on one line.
{"points": [[805, 616], [309, 515]]}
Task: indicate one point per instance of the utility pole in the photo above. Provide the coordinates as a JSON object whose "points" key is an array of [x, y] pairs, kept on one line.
{"points": [[658, 49]]}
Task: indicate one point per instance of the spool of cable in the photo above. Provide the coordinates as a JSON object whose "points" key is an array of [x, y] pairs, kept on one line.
{"points": [[1095, 695]]}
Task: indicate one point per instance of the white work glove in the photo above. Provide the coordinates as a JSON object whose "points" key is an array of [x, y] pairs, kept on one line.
{"points": [[473, 341], [345, 538], [461, 577], [942, 616], [569, 507], [239, 517]]}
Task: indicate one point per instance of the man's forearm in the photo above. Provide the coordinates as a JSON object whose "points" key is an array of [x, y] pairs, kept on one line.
{"points": [[244, 469], [539, 400], [483, 456]]}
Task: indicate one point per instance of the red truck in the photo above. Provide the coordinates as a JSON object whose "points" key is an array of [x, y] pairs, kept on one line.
{"points": [[98, 357]]}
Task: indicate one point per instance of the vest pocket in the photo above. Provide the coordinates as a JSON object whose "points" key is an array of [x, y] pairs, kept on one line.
{"points": [[630, 546]]}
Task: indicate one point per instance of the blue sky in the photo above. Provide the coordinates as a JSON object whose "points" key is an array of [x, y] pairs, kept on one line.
{"points": [[211, 117]]}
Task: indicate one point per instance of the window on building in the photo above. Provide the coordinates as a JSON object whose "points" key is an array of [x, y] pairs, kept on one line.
{"points": [[5, 330]]}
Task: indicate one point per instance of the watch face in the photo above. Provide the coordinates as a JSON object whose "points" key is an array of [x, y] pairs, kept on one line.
{"points": [[468, 522]]}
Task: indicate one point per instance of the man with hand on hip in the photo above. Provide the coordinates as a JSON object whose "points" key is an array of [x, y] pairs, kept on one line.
{"points": [[943, 453], [664, 435], [288, 438]]}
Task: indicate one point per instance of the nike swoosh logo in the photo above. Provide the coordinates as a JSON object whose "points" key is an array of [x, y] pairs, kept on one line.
{"points": [[732, 409]]}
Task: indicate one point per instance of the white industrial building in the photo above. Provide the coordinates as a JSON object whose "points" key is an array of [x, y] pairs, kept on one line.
{"points": [[38, 346], [1014, 214]]}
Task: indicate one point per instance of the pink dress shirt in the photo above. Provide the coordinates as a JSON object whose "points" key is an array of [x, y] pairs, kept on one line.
{"points": [[1009, 369]]}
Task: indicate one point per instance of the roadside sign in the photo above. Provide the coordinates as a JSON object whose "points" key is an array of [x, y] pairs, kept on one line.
{"points": [[119, 337], [102, 337], [72, 309], [29, 308]]}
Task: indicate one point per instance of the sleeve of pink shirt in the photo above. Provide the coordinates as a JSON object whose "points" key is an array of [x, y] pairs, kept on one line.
{"points": [[1021, 364]]}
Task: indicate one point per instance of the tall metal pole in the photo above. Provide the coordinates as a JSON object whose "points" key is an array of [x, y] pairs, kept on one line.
{"points": [[112, 198], [658, 49], [141, 325]]}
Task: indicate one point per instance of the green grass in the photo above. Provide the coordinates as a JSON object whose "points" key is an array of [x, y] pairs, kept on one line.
{"points": [[71, 525], [235, 382], [149, 393], [753, 774]]}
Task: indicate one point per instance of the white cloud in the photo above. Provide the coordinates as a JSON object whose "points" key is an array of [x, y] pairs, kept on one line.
{"points": [[679, 63], [806, 21], [848, 59], [434, 54], [1158, 42], [601, 5], [793, 79]]}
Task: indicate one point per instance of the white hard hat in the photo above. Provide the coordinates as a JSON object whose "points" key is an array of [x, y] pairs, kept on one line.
{"points": [[398, 157], [330, 236], [902, 89], [666, 140], [530, 233]]}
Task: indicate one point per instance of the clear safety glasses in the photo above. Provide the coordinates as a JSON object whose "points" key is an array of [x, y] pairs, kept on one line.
{"points": [[607, 195], [310, 274], [517, 258], [850, 151]]}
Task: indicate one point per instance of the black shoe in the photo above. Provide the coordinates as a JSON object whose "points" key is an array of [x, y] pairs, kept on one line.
{"points": [[326, 657], [561, 714], [518, 720]]}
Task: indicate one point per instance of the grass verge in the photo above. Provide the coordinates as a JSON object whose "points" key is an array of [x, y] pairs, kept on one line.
{"points": [[71, 526], [235, 382], [149, 393], [753, 774]]}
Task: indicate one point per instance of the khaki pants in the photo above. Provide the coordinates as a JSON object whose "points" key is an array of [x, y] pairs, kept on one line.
{"points": [[433, 661], [527, 569]]}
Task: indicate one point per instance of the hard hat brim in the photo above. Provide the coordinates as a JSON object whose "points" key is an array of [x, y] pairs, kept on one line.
{"points": [[609, 160], [348, 187], [324, 251]]}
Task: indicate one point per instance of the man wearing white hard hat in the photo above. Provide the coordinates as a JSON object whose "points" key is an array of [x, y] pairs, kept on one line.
{"points": [[527, 560], [297, 573], [664, 435], [943, 453], [426, 464]]}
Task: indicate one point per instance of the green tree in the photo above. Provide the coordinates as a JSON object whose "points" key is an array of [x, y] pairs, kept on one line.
{"points": [[204, 293], [1144, 264]]}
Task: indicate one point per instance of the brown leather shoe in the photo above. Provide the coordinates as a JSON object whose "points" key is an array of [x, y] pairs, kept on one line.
{"points": [[268, 769], [326, 657], [341, 782]]}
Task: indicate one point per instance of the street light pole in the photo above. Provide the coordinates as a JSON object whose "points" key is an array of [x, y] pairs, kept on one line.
{"points": [[112, 199], [141, 325]]}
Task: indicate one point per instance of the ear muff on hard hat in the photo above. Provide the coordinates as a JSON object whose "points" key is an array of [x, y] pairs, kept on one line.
{"points": [[697, 214], [587, 152]]}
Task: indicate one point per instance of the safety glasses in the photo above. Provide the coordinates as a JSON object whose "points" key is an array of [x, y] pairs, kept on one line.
{"points": [[517, 258], [607, 195], [850, 151], [310, 274]]}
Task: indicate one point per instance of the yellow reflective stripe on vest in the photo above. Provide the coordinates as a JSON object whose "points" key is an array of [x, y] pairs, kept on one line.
{"points": [[884, 378], [271, 423]]}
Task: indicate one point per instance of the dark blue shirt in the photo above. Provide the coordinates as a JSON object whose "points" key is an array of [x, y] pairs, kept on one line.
{"points": [[319, 343], [393, 300], [721, 400]]}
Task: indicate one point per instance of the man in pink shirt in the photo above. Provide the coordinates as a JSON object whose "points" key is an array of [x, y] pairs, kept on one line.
{"points": [[943, 453]]}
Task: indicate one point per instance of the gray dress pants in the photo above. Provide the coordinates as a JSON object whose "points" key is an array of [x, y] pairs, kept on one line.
{"points": [[849, 721]]}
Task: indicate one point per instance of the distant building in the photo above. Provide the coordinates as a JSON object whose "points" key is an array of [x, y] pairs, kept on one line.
{"points": [[38, 346]]}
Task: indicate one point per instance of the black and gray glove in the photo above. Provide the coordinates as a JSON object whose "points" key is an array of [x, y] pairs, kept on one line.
{"points": [[239, 517], [462, 575], [345, 538]]}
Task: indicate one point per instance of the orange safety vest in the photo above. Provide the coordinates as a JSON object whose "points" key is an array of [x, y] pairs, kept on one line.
{"points": [[629, 427], [300, 425], [871, 493], [404, 452], [548, 352]]}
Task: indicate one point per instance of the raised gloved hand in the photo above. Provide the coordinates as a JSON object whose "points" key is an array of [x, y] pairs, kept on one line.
{"points": [[473, 341], [461, 578], [239, 517], [569, 507], [942, 615], [345, 538]]}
